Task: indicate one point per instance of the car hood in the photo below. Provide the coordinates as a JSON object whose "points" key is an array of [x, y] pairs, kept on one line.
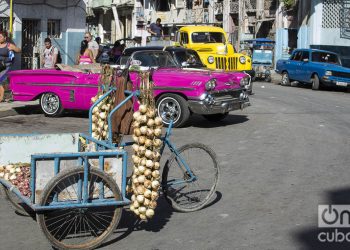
{"points": [[197, 77]]}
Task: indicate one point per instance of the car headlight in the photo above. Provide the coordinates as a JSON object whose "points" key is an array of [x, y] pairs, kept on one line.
{"points": [[242, 59], [210, 59], [244, 81], [211, 84], [328, 73]]}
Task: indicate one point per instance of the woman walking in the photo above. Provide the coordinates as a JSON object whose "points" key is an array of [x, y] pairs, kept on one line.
{"points": [[6, 58], [85, 56]]}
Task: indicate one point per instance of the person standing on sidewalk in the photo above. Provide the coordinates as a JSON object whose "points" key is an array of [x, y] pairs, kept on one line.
{"points": [[156, 30], [48, 58], [92, 45], [85, 55], [6, 59]]}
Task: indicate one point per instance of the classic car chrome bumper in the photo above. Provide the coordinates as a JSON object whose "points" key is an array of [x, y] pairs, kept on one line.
{"points": [[213, 104]]}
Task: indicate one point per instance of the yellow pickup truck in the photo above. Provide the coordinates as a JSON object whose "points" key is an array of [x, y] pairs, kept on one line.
{"points": [[212, 46]]}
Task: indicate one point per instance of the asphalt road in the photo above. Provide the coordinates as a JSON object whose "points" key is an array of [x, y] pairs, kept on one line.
{"points": [[279, 159]]}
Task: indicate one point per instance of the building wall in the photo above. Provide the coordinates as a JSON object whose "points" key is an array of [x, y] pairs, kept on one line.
{"points": [[72, 24]]}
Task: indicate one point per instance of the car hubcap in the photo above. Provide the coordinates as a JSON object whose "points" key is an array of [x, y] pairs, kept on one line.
{"points": [[50, 103], [169, 109], [284, 79]]}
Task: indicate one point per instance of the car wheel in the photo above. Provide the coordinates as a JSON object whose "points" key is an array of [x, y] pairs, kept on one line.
{"points": [[315, 83], [51, 105], [216, 117], [285, 79], [173, 107], [268, 79]]}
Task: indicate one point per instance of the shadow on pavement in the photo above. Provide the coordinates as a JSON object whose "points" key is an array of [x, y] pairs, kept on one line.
{"points": [[28, 110], [129, 223], [308, 236], [200, 122]]}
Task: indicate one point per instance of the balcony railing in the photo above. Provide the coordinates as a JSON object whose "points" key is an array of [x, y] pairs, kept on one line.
{"points": [[218, 7], [234, 7]]}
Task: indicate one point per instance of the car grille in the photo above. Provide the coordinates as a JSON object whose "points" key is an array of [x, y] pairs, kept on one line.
{"points": [[226, 63], [226, 94], [341, 74]]}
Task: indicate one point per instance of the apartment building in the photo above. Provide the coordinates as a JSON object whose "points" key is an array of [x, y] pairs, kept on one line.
{"points": [[34, 20]]}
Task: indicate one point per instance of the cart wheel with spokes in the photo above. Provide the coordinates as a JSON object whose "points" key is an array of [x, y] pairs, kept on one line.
{"points": [[79, 228], [51, 104], [15, 202], [189, 191]]}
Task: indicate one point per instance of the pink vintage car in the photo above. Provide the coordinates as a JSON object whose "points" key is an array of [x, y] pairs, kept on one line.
{"points": [[179, 92]]}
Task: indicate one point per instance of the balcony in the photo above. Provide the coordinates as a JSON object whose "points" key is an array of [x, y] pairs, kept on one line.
{"points": [[100, 4], [218, 7], [123, 3], [234, 7], [250, 5]]}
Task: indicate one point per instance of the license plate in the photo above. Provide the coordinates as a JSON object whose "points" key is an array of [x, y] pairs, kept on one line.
{"points": [[344, 84]]}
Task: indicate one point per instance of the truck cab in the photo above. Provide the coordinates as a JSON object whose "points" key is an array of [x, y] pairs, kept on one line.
{"points": [[213, 48]]}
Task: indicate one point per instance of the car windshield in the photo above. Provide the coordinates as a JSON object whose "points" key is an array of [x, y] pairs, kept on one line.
{"points": [[325, 57], [154, 59], [262, 56], [123, 60], [189, 57], [208, 37]]}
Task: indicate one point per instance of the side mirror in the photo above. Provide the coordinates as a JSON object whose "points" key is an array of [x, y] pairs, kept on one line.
{"points": [[305, 59]]}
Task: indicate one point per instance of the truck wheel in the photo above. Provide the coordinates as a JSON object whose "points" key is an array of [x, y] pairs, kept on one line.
{"points": [[285, 79], [51, 105], [173, 107], [315, 82], [215, 117]]}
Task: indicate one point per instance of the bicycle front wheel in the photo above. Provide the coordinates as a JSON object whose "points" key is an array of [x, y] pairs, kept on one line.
{"points": [[190, 177]]}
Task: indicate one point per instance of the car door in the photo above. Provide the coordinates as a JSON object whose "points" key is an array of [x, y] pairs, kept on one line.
{"points": [[303, 67], [292, 64]]}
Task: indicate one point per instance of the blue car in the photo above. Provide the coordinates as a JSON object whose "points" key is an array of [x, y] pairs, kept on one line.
{"points": [[316, 67]]}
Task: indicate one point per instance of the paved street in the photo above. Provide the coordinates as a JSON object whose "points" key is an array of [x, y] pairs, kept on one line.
{"points": [[279, 159]]}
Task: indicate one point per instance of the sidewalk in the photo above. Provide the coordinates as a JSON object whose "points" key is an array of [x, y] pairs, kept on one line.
{"points": [[18, 108]]}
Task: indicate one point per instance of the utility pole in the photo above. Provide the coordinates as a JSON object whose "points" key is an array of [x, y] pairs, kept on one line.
{"points": [[11, 18]]}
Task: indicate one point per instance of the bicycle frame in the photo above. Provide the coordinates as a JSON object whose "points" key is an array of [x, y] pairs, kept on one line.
{"points": [[181, 162]]}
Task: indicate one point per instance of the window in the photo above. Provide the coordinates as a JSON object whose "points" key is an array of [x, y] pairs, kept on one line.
{"points": [[208, 37], [296, 56], [325, 57], [305, 55], [163, 5], [54, 28], [183, 38], [4, 23]]}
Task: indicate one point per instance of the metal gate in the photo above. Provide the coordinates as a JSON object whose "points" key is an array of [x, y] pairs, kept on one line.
{"points": [[30, 43]]}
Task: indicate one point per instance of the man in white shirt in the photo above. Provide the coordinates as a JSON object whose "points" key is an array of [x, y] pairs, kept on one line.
{"points": [[49, 55], [93, 45]]}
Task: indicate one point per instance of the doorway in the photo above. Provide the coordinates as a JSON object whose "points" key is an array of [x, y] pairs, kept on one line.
{"points": [[30, 44]]}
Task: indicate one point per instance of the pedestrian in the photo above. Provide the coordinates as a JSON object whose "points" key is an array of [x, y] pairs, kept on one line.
{"points": [[49, 55], [85, 56], [156, 30], [7, 50], [93, 45], [116, 51]]}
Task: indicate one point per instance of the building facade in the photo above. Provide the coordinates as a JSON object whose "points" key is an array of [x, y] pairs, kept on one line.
{"points": [[34, 20], [319, 24]]}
